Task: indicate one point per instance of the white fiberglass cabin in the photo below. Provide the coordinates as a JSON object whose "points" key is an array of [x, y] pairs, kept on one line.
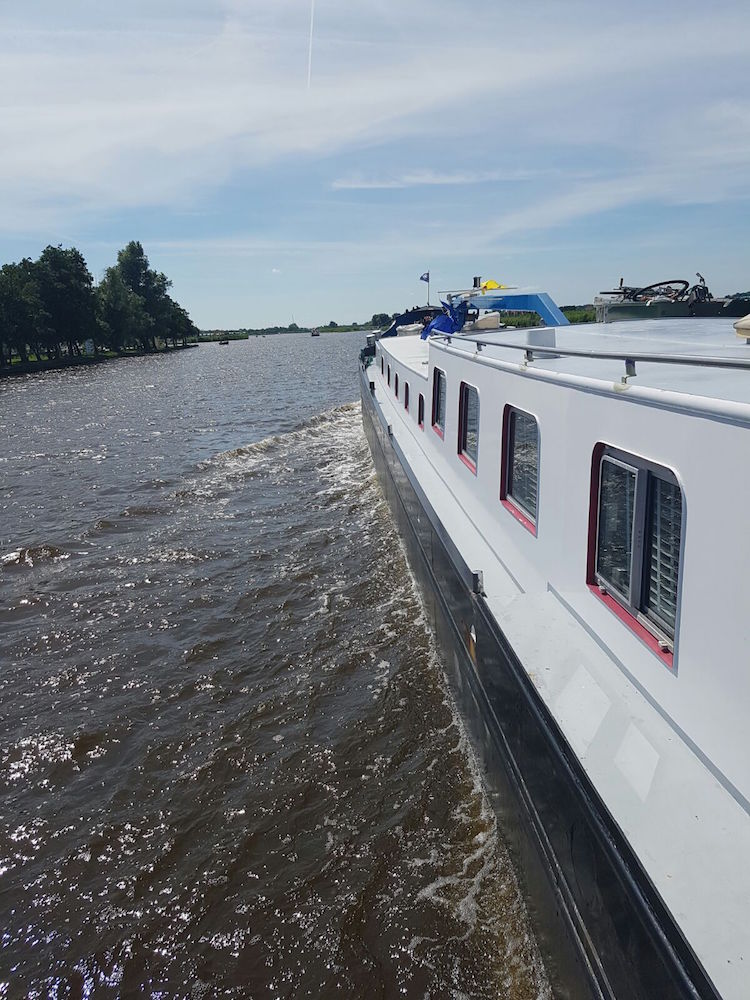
{"points": [[574, 503]]}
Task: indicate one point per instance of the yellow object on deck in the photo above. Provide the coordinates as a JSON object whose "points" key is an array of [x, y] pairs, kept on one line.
{"points": [[490, 285]]}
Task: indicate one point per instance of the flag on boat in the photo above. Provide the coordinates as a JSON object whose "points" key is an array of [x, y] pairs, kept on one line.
{"points": [[425, 276]]}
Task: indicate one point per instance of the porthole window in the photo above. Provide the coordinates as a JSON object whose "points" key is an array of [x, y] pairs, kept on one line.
{"points": [[438, 402], [420, 411], [468, 425], [637, 538], [406, 396], [519, 480]]}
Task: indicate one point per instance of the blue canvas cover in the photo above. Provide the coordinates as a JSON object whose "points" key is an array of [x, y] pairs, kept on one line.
{"points": [[449, 322]]}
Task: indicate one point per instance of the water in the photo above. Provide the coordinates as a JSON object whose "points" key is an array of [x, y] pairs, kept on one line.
{"points": [[229, 766]]}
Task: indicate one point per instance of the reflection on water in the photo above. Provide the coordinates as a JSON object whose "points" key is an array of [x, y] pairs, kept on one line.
{"points": [[228, 761]]}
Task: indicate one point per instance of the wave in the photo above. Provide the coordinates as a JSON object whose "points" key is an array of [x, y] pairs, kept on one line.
{"points": [[321, 421], [328, 439], [32, 556]]}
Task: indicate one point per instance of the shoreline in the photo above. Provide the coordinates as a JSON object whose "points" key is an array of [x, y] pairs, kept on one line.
{"points": [[83, 361]]}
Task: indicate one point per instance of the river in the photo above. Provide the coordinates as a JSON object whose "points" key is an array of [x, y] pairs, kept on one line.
{"points": [[229, 764]]}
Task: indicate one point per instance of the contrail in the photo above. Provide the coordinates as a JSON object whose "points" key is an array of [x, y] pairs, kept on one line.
{"points": [[309, 55]]}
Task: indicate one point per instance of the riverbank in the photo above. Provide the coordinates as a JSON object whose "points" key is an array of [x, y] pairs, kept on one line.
{"points": [[575, 314], [81, 361], [222, 335]]}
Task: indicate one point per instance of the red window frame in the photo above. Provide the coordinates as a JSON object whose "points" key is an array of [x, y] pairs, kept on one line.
{"points": [[420, 412], [625, 615], [506, 457], [463, 400], [406, 396], [440, 431]]}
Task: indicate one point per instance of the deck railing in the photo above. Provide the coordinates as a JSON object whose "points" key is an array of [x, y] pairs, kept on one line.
{"points": [[628, 357]]}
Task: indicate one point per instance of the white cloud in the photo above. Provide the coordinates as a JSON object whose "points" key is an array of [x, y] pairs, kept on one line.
{"points": [[431, 178], [106, 109]]}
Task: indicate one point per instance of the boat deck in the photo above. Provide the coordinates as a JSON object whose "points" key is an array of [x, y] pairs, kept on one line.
{"points": [[713, 338]]}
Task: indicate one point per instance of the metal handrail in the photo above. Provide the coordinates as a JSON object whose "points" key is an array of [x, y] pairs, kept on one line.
{"points": [[629, 357]]}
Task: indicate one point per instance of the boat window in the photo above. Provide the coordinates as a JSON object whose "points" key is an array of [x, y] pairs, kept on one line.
{"points": [[638, 536], [396, 384], [519, 488], [389, 376], [438, 401], [420, 411], [382, 365], [663, 553], [615, 539], [406, 395], [468, 425]]}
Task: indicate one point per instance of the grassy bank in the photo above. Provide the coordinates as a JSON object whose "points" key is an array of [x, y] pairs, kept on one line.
{"points": [[34, 364], [214, 335], [574, 314]]}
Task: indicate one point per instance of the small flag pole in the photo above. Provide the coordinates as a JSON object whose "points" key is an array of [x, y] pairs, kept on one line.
{"points": [[426, 277]]}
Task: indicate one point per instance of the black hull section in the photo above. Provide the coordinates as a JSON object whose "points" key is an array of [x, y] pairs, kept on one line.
{"points": [[602, 927]]}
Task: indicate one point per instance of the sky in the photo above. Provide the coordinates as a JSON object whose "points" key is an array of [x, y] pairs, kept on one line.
{"points": [[554, 146]]}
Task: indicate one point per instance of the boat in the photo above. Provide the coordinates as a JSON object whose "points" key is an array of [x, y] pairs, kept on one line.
{"points": [[571, 502], [671, 299], [315, 332], [224, 341], [411, 321]]}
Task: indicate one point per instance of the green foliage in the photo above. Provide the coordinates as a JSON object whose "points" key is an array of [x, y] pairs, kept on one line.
{"points": [[66, 290], [49, 308], [580, 314], [23, 321], [575, 314], [123, 320], [209, 336], [380, 320]]}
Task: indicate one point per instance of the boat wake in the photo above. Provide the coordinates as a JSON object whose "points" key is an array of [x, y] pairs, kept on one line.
{"points": [[289, 802]]}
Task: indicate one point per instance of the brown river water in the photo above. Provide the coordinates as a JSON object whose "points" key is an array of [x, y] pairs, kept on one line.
{"points": [[229, 764]]}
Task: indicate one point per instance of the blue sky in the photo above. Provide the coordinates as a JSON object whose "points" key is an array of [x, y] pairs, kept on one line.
{"points": [[548, 145]]}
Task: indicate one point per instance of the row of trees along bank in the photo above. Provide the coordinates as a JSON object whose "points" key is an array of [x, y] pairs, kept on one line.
{"points": [[50, 308]]}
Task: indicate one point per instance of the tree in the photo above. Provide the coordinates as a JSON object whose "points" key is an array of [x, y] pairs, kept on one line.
{"points": [[22, 317], [50, 304], [332, 324], [380, 319], [152, 286], [122, 318], [181, 326], [66, 290]]}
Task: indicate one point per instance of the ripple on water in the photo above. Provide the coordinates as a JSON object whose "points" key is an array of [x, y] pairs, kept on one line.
{"points": [[229, 763]]}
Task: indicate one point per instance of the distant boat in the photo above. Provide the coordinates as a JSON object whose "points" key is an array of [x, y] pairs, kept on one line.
{"points": [[315, 332], [224, 341]]}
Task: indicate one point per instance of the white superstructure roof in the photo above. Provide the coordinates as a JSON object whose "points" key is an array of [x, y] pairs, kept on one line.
{"points": [[698, 338]]}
